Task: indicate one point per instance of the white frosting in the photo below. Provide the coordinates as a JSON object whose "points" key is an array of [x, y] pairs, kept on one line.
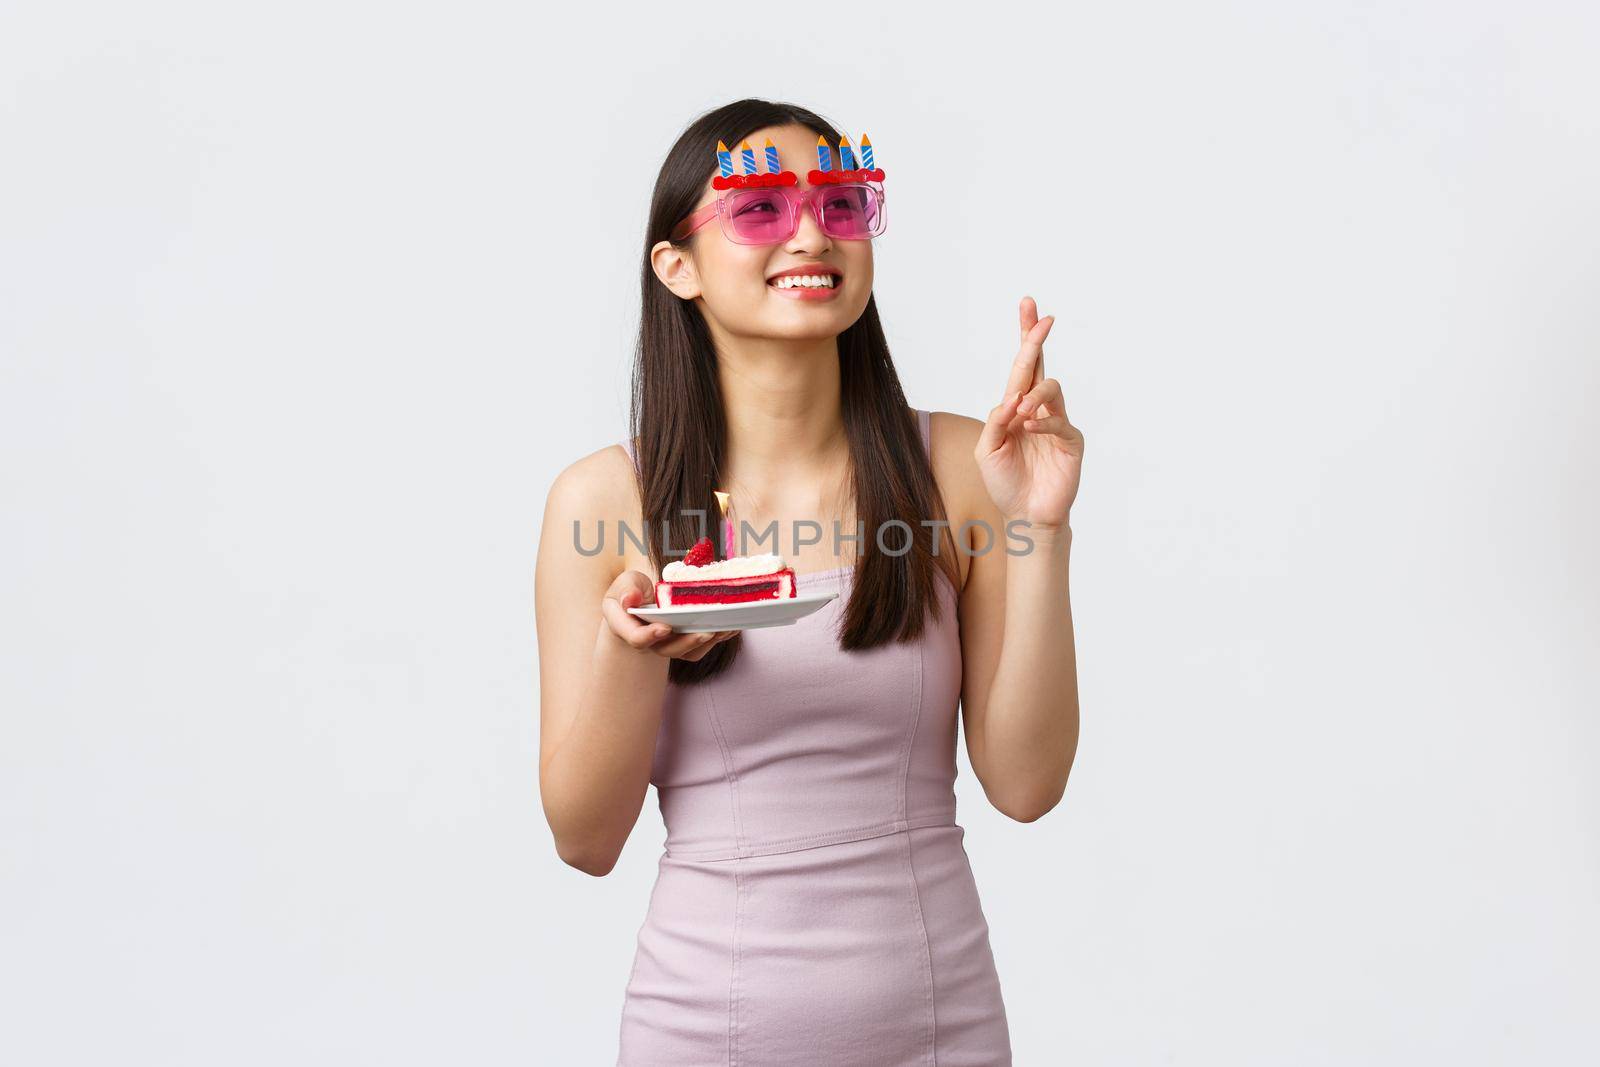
{"points": [[737, 567]]}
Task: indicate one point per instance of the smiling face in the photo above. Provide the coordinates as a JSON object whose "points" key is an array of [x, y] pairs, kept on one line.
{"points": [[772, 290]]}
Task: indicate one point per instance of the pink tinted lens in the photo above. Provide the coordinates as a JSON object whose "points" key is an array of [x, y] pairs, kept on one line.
{"points": [[851, 212], [760, 216]]}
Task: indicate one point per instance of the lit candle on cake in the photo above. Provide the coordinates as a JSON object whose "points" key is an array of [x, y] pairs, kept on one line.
{"points": [[866, 152], [846, 160], [748, 156], [824, 157], [727, 524], [724, 160], [772, 158]]}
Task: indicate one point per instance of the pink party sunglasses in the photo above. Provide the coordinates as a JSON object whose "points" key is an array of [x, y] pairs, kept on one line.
{"points": [[763, 209], [850, 211]]}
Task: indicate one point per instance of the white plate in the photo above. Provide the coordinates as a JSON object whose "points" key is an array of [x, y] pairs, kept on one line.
{"points": [[752, 615]]}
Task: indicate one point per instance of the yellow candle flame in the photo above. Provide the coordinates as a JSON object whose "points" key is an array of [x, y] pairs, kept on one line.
{"points": [[722, 501]]}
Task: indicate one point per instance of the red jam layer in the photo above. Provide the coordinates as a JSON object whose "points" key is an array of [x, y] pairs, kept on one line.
{"points": [[775, 586]]}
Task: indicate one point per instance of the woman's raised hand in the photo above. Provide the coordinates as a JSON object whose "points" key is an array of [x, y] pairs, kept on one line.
{"points": [[634, 588], [1028, 453]]}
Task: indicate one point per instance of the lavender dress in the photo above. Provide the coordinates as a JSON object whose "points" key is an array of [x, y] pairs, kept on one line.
{"points": [[814, 903]]}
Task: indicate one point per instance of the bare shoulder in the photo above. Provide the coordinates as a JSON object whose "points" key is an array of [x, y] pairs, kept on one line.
{"points": [[596, 484], [956, 431], [596, 488], [953, 439]]}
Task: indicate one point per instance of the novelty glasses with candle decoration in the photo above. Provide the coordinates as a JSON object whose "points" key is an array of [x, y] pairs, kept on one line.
{"points": [[764, 209], [849, 211]]}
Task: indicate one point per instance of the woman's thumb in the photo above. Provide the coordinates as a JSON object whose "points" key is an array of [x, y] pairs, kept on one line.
{"points": [[636, 588]]}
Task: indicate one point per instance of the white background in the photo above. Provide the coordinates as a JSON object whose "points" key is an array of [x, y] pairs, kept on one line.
{"points": [[303, 306]]}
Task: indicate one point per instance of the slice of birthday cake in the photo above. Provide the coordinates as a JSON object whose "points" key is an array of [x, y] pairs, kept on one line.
{"points": [[700, 579]]}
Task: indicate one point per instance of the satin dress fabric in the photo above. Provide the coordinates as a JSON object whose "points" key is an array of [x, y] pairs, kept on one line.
{"points": [[814, 903]]}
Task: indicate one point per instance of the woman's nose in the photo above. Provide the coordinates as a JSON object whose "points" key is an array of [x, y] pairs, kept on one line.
{"points": [[808, 236]]}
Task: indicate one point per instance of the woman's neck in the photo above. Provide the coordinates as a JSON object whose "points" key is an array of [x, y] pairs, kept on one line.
{"points": [[782, 405]]}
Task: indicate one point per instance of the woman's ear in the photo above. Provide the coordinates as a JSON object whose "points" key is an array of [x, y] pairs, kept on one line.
{"points": [[675, 268]]}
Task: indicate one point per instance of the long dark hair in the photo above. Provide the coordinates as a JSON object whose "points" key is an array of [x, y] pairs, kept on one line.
{"points": [[676, 416]]}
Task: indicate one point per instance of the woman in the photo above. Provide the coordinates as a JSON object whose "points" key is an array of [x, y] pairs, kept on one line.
{"points": [[814, 903]]}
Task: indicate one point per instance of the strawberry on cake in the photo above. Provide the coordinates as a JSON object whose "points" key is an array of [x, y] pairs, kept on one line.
{"points": [[700, 579]]}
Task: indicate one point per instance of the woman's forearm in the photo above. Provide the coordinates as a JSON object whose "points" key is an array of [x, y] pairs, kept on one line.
{"points": [[1030, 721], [595, 782]]}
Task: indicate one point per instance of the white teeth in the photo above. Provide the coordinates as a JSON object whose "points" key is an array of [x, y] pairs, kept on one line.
{"points": [[808, 281]]}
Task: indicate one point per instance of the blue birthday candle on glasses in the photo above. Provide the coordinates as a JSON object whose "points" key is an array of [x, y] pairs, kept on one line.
{"points": [[846, 161], [824, 157], [724, 161], [772, 158], [748, 156], [866, 152]]}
